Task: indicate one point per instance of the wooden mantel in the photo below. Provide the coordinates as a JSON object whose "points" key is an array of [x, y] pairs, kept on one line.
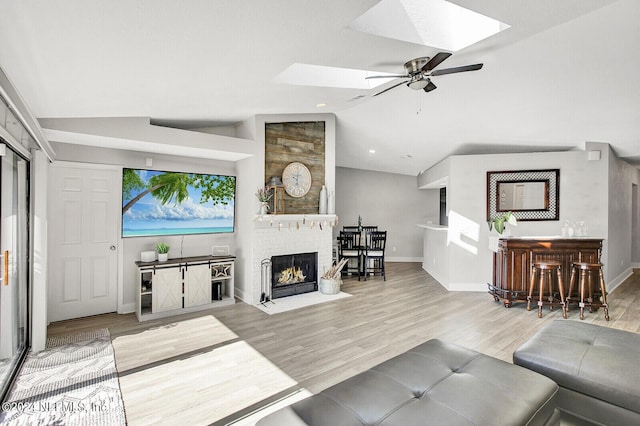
{"points": [[514, 256]]}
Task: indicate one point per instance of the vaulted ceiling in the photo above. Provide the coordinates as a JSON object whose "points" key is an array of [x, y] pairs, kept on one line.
{"points": [[564, 73]]}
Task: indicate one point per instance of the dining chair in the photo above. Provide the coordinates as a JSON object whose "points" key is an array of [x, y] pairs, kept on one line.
{"points": [[374, 254], [365, 233], [349, 248]]}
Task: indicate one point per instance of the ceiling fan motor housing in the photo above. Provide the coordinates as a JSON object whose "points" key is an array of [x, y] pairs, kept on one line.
{"points": [[414, 66]]}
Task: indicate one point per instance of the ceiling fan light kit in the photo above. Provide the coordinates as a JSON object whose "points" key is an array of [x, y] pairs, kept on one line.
{"points": [[418, 83], [419, 71]]}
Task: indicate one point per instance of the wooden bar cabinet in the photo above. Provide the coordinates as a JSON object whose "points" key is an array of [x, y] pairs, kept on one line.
{"points": [[513, 259]]}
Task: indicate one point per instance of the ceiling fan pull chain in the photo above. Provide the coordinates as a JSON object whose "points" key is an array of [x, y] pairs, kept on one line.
{"points": [[418, 103]]}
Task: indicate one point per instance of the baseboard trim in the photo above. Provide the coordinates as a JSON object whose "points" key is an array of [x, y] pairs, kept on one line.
{"points": [[474, 287], [403, 259], [615, 282], [238, 293], [127, 308]]}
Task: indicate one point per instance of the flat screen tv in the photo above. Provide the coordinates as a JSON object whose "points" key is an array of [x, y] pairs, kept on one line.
{"points": [[171, 203]]}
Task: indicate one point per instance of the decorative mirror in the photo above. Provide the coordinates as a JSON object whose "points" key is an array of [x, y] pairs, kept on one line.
{"points": [[528, 194]]}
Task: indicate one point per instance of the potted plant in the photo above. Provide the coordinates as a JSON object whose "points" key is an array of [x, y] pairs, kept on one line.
{"points": [[264, 196], [500, 222], [163, 251], [330, 281]]}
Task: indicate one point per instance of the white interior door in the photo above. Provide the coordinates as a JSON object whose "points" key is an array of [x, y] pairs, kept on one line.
{"points": [[84, 225]]}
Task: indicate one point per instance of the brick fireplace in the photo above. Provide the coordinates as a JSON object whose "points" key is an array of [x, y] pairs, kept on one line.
{"points": [[284, 235], [292, 274], [281, 139]]}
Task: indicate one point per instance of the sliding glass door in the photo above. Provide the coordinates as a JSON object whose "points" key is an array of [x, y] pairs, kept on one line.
{"points": [[14, 250]]}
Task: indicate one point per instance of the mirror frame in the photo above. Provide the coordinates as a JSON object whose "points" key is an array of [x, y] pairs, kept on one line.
{"points": [[552, 203]]}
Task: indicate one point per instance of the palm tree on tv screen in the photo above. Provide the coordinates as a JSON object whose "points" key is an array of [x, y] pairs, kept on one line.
{"points": [[173, 187]]}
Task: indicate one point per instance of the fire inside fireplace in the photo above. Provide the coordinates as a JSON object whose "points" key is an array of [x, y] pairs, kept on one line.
{"points": [[294, 274]]}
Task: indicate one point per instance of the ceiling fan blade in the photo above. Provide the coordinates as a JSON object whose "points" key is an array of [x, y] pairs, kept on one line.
{"points": [[435, 61], [430, 87], [457, 69], [389, 88], [387, 76]]}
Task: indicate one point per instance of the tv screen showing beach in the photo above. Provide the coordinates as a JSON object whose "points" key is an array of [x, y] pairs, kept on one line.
{"points": [[172, 203]]}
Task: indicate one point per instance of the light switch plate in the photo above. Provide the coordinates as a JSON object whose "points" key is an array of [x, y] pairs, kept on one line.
{"points": [[220, 251]]}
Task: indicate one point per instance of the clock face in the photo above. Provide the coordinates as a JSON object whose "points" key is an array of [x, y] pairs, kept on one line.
{"points": [[296, 179]]}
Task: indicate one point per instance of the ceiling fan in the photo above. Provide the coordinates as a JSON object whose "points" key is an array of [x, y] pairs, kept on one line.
{"points": [[420, 70]]}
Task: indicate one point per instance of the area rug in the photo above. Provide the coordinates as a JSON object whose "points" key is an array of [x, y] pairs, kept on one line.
{"points": [[289, 303], [72, 382]]}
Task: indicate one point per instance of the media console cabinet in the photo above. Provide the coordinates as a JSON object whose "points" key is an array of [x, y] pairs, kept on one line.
{"points": [[184, 285], [514, 256]]}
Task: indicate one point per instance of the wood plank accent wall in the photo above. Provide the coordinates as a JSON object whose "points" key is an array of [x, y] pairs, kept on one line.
{"points": [[297, 141]]}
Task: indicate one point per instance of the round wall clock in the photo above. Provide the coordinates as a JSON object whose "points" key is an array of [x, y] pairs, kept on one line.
{"points": [[296, 178]]}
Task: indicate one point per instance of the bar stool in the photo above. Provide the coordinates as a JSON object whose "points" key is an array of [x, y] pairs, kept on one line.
{"points": [[541, 274], [587, 271]]}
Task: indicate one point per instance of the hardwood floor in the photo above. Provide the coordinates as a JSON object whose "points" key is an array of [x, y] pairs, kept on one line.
{"points": [[215, 365]]}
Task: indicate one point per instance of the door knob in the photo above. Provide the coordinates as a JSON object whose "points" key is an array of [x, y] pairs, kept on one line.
{"points": [[112, 248]]}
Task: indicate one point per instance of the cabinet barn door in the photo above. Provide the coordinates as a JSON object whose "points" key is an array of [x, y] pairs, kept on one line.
{"points": [[197, 285], [166, 290]]}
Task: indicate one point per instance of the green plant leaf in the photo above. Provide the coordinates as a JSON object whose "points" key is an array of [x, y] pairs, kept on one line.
{"points": [[162, 248]]}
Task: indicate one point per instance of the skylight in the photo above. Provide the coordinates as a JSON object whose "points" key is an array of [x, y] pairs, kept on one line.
{"points": [[434, 23], [323, 76]]}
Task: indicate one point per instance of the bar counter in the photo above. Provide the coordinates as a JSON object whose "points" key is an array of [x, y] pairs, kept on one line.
{"points": [[514, 255]]}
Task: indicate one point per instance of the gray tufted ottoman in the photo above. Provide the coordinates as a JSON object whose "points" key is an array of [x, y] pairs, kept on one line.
{"points": [[597, 368], [432, 384]]}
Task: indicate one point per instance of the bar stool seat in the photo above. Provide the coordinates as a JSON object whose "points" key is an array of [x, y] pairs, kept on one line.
{"points": [[585, 281], [542, 273]]}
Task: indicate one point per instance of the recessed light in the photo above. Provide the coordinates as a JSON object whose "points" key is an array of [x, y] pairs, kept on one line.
{"points": [[372, 151], [321, 105]]}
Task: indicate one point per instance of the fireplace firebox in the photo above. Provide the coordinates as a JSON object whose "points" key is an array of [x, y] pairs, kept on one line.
{"points": [[294, 274]]}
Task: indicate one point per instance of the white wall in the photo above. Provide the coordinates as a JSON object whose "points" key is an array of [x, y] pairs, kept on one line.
{"points": [[622, 177], [39, 218], [20, 129], [584, 195], [435, 258], [635, 225], [192, 245], [252, 173], [388, 200]]}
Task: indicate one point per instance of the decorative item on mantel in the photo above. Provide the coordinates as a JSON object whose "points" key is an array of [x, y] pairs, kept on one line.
{"points": [[263, 196], [500, 223], [331, 202], [163, 251], [296, 222], [276, 189], [359, 223], [322, 204], [330, 281]]}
